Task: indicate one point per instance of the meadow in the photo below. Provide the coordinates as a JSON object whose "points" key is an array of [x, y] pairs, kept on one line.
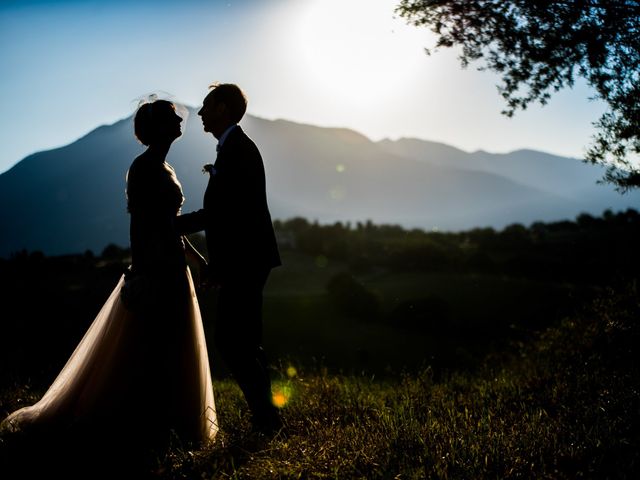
{"points": [[395, 355], [424, 319], [564, 405]]}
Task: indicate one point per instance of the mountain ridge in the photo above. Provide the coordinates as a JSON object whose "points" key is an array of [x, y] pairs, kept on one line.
{"points": [[71, 198]]}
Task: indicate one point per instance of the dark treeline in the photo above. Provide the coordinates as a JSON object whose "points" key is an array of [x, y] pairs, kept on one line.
{"points": [[588, 249], [596, 250]]}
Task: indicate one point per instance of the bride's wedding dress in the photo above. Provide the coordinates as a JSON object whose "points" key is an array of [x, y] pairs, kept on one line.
{"points": [[141, 371]]}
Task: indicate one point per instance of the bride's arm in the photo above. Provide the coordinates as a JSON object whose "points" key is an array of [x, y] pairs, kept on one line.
{"points": [[190, 222], [193, 253]]}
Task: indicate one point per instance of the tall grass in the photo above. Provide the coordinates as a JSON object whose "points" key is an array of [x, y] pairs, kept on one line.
{"points": [[566, 405]]}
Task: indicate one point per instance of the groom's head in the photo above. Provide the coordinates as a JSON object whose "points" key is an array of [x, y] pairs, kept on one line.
{"points": [[225, 105]]}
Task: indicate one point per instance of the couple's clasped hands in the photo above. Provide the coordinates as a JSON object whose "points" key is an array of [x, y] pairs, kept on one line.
{"points": [[206, 278]]}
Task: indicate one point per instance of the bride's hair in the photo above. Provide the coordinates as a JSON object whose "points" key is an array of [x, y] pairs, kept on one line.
{"points": [[151, 109], [149, 118]]}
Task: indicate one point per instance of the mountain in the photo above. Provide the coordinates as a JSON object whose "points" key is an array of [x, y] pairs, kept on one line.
{"points": [[559, 175], [71, 199]]}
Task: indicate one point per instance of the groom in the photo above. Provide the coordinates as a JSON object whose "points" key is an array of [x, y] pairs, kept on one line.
{"points": [[242, 248]]}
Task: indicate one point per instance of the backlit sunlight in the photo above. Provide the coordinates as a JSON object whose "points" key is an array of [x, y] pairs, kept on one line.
{"points": [[356, 49]]}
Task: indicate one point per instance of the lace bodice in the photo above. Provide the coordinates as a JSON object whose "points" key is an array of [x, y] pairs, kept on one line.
{"points": [[154, 198]]}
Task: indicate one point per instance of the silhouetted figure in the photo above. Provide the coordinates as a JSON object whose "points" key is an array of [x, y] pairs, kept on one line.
{"points": [[242, 248], [140, 375]]}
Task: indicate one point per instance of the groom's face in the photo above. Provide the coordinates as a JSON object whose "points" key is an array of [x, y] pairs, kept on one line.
{"points": [[212, 114]]}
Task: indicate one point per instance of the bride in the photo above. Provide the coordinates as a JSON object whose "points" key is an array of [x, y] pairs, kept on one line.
{"points": [[141, 373]]}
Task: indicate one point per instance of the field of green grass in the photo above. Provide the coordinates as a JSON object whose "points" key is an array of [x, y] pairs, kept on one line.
{"points": [[468, 355], [563, 405], [480, 313], [442, 320]]}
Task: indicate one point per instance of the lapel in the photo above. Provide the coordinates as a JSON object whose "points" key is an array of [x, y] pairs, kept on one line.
{"points": [[229, 144], [222, 165]]}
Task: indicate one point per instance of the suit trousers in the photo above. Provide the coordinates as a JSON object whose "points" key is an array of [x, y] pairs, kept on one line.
{"points": [[238, 338]]}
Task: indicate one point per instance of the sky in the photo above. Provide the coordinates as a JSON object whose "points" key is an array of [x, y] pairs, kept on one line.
{"points": [[71, 66]]}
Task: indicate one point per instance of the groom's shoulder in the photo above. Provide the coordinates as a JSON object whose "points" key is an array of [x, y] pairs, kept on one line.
{"points": [[240, 135], [246, 143]]}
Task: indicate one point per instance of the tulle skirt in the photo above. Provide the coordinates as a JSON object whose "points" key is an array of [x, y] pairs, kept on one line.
{"points": [[136, 376]]}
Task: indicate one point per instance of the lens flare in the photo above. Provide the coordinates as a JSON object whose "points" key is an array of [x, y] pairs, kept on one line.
{"points": [[279, 400], [338, 193], [281, 395]]}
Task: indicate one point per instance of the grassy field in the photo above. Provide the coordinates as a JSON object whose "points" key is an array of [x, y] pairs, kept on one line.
{"points": [[457, 376], [564, 405], [478, 314], [442, 320]]}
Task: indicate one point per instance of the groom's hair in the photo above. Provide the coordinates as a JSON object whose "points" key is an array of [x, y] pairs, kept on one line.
{"points": [[232, 96]]}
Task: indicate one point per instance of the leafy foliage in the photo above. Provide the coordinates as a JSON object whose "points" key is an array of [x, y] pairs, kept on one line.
{"points": [[539, 47]]}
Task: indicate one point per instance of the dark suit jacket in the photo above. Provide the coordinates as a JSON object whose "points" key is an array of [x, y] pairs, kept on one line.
{"points": [[235, 215]]}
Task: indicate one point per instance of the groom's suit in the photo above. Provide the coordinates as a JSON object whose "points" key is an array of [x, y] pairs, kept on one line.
{"points": [[242, 250]]}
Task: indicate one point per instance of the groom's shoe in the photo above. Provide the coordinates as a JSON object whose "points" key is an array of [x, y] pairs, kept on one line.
{"points": [[269, 425]]}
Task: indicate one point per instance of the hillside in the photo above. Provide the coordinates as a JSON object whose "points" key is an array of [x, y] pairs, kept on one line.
{"points": [[71, 199]]}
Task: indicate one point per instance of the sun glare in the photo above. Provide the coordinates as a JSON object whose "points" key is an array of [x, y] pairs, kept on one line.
{"points": [[355, 49]]}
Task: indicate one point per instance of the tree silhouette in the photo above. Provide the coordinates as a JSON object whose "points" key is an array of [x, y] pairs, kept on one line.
{"points": [[540, 46]]}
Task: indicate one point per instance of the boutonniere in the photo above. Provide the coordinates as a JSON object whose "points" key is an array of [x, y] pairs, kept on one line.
{"points": [[208, 168]]}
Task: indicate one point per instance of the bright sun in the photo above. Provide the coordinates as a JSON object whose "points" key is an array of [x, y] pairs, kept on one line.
{"points": [[356, 48]]}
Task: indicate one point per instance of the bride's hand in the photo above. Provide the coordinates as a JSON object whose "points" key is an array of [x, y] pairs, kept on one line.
{"points": [[202, 267], [210, 279]]}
